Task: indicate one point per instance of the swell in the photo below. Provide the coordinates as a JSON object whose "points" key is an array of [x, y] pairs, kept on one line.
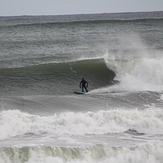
{"points": [[54, 78], [86, 22]]}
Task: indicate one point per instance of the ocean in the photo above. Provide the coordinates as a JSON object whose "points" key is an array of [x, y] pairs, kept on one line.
{"points": [[42, 61]]}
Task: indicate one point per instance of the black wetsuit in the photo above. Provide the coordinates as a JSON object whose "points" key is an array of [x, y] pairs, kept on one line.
{"points": [[84, 85]]}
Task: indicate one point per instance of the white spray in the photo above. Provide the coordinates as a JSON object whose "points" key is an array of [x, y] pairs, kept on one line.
{"points": [[136, 66]]}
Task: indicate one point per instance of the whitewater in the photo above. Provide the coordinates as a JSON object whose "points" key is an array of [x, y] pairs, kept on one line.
{"points": [[43, 58]]}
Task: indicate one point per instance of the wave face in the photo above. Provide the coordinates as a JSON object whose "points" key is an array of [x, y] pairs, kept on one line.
{"points": [[56, 78]]}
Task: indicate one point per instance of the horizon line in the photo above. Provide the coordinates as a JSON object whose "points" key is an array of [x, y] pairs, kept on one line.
{"points": [[80, 13]]}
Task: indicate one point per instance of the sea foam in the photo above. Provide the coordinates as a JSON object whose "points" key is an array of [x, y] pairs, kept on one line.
{"points": [[15, 123]]}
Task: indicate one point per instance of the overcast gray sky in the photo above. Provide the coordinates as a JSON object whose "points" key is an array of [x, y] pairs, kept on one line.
{"points": [[60, 7]]}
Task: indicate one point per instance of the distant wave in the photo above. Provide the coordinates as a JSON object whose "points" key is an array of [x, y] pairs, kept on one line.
{"points": [[76, 22]]}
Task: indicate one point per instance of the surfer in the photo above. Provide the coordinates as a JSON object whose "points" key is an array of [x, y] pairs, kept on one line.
{"points": [[84, 85]]}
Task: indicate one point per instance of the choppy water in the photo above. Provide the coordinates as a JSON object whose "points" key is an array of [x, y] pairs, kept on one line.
{"points": [[42, 61]]}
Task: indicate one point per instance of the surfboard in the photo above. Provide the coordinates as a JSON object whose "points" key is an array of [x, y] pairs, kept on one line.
{"points": [[76, 92]]}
